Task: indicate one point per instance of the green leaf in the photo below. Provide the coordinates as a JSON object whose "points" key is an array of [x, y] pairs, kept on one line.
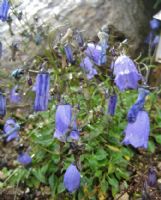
{"points": [[151, 146], [158, 138]]}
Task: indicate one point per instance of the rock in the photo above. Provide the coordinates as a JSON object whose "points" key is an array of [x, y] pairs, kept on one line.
{"points": [[123, 197]]}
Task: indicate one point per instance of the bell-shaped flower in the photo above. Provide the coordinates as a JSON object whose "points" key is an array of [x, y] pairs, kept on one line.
{"points": [[133, 111], [112, 105], [137, 133], [24, 158], [42, 87], [2, 105], [87, 66], [4, 7], [126, 74], [94, 52], [72, 178], [79, 38], [65, 125], [11, 129], [69, 53], [154, 24], [15, 96], [152, 177]]}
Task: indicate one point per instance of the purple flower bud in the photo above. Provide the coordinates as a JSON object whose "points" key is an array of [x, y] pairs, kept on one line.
{"points": [[65, 126], [0, 49], [69, 53], [15, 96], [42, 87], [4, 7], [133, 111], [152, 177], [154, 24], [126, 74], [112, 105], [103, 56], [72, 178], [87, 66], [137, 133], [2, 105], [24, 158], [11, 129], [94, 52], [29, 81]]}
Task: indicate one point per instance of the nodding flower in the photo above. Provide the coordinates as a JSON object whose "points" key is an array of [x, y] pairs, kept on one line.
{"points": [[138, 105], [2, 105], [88, 67], [154, 24], [72, 178], [4, 8], [42, 87], [65, 123], [112, 105], [79, 38], [69, 53], [15, 96], [24, 158], [11, 129], [126, 74], [137, 133]]}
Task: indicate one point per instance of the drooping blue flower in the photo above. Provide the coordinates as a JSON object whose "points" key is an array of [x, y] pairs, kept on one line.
{"points": [[133, 111], [11, 129], [94, 52], [2, 105], [72, 178], [24, 158], [152, 177], [4, 7], [42, 87], [154, 24], [126, 74], [1, 49], [112, 105], [103, 56], [88, 67], [65, 124], [15, 96], [69, 53], [137, 133], [152, 40]]}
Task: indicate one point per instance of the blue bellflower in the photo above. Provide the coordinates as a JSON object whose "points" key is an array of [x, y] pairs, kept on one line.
{"points": [[79, 38], [4, 7], [2, 105], [24, 158], [103, 56], [112, 105], [133, 111], [154, 24], [94, 52], [11, 128], [42, 87], [126, 74], [137, 133], [65, 126], [15, 96], [72, 178], [152, 40], [87, 66], [69, 53]]}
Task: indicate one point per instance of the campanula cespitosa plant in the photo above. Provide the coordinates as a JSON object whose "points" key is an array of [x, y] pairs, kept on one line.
{"points": [[112, 102], [65, 123], [4, 8], [152, 177], [15, 96], [126, 74], [42, 87], [24, 158], [72, 178], [133, 111], [69, 53], [11, 129], [2, 105]]}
